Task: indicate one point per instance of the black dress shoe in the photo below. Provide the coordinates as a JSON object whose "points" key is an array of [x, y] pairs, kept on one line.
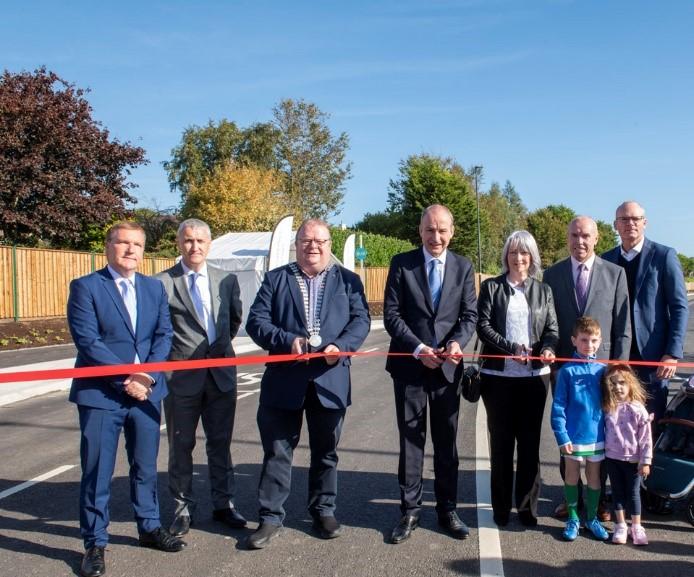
{"points": [[93, 562], [404, 528], [162, 540], [327, 527], [527, 518], [501, 519], [453, 525], [263, 535], [180, 525], [230, 517]]}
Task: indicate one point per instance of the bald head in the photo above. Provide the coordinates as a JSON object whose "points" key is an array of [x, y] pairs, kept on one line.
{"points": [[630, 223], [582, 238]]}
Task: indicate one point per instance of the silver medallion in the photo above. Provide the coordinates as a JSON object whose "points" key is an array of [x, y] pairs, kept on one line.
{"points": [[315, 341]]}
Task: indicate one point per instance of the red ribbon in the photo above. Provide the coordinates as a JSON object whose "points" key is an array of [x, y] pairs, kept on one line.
{"points": [[110, 370]]}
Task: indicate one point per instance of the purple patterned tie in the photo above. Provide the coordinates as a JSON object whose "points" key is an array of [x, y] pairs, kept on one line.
{"points": [[582, 287]]}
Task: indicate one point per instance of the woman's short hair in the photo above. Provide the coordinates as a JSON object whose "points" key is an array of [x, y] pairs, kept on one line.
{"points": [[523, 240]]}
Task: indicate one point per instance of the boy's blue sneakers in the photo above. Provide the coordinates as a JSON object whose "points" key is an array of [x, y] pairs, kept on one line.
{"points": [[598, 531], [571, 530]]}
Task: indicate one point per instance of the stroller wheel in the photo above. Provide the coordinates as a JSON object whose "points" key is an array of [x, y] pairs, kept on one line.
{"points": [[690, 508]]}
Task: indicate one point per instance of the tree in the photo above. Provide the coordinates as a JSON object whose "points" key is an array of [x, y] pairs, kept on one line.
{"points": [[205, 148], [505, 209], [238, 198], [549, 226], [607, 237], [60, 173], [160, 228], [385, 222], [425, 180], [312, 160]]}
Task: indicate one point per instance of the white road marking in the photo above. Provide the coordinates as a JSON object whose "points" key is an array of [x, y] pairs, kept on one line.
{"points": [[370, 350], [491, 563], [35, 480]]}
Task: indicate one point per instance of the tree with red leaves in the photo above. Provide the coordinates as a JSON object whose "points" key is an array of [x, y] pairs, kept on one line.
{"points": [[60, 174]]}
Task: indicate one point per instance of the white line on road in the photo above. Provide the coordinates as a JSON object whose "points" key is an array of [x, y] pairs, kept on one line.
{"points": [[489, 543], [35, 480], [370, 350]]}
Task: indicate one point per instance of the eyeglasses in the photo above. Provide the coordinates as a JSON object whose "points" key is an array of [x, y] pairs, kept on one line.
{"points": [[632, 219], [319, 242]]}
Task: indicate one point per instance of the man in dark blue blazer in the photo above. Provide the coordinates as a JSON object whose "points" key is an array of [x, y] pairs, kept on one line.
{"points": [[308, 305], [658, 298], [117, 316], [430, 308]]}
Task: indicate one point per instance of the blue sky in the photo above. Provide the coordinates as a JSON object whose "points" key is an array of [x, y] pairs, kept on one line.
{"points": [[585, 103]]}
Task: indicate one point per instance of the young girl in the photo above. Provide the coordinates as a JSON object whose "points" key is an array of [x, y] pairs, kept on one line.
{"points": [[628, 447]]}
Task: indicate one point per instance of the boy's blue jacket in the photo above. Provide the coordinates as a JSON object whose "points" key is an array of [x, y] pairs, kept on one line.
{"points": [[577, 416]]}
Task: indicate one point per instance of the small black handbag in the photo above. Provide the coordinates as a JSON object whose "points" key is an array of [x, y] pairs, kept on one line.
{"points": [[471, 381]]}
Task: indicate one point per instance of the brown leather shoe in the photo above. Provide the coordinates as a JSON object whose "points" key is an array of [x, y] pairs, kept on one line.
{"points": [[604, 513], [561, 512]]}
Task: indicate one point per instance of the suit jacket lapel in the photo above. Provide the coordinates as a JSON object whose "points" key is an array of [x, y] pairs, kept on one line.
{"points": [[449, 277], [420, 273], [114, 293], [328, 291], [180, 282], [297, 297], [214, 281], [646, 256], [570, 285]]}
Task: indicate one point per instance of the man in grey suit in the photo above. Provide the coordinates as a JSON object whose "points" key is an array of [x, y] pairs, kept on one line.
{"points": [[205, 308], [585, 285], [430, 311], [658, 297]]}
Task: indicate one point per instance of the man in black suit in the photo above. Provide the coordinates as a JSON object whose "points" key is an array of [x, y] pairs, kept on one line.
{"points": [[430, 310], [205, 307]]}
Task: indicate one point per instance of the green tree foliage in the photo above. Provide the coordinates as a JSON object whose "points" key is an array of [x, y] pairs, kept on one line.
{"points": [[687, 263], [205, 148], [160, 228], [384, 222], [549, 226], [607, 237], [425, 180], [379, 248], [312, 160], [505, 211], [60, 173]]}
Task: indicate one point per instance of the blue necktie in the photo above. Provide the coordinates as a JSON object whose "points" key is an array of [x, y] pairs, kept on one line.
{"points": [[435, 282], [197, 298], [127, 290]]}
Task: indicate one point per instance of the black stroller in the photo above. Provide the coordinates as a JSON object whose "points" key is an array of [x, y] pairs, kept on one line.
{"points": [[672, 470]]}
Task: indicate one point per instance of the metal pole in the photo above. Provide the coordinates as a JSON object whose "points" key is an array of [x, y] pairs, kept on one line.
{"points": [[476, 171]]}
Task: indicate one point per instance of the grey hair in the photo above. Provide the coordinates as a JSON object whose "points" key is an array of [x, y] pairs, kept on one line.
{"points": [[314, 222], [523, 240], [193, 223]]}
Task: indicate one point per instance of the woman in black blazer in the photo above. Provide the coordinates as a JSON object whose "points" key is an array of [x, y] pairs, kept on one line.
{"points": [[516, 318]]}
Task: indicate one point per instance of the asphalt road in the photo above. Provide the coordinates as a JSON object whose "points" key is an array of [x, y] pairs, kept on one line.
{"points": [[39, 532]]}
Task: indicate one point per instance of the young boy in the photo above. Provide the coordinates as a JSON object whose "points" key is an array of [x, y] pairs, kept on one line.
{"points": [[578, 425]]}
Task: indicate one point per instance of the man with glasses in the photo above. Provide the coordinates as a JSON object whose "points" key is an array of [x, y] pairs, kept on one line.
{"points": [[658, 298], [307, 306]]}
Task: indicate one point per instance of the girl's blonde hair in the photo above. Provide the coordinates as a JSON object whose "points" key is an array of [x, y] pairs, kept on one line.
{"points": [[636, 391]]}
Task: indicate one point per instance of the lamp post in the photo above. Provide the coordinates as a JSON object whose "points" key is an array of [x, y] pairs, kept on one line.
{"points": [[476, 172]]}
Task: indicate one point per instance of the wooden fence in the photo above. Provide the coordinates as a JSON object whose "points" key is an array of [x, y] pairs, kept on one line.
{"points": [[34, 282]]}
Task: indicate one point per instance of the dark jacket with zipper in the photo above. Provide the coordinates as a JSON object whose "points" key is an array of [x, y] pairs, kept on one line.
{"points": [[492, 304]]}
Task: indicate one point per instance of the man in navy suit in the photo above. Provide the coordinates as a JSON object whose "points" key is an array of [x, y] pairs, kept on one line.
{"points": [[117, 316], [430, 309], [658, 298], [306, 306]]}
